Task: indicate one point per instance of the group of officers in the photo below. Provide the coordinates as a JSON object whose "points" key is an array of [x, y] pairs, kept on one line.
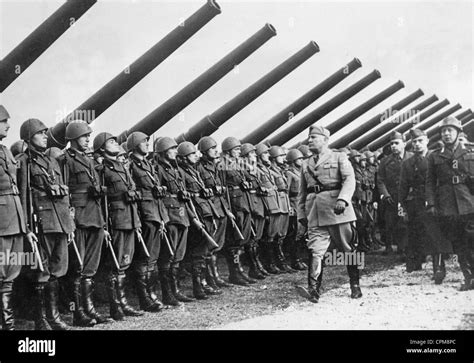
{"points": [[147, 215]]}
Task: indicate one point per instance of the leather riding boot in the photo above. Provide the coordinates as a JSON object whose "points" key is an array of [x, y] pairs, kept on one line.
{"points": [[174, 270], [312, 293], [209, 277], [8, 322], [166, 293], [151, 280], [41, 323], [466, 270], [126, 308], [280, 258], [241, 271], [232, 257], [80, 318], [297, 262], [52, 312], [87, 285], [254, 272], [215, 273], [145, 301], [198, 290], [353, 273], [256, 252], [271, 266], [116, 311]]}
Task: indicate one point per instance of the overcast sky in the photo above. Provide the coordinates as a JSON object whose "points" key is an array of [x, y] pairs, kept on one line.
{"points": [[426, 44]]}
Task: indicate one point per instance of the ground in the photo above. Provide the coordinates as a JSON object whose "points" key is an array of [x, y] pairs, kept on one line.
{"points": [[393, 299]]}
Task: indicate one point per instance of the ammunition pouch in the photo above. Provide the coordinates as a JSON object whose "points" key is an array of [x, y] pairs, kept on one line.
{"points": [[158, 191], [219, 190], [184, 196], [263, 192], [206, 193], [132, 196], [97, 191], [57, 191], [245, 185]]}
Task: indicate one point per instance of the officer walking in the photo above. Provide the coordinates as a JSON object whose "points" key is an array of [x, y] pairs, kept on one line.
{"points": [[86, 192], [450, 194], [324, 206], [42, 189], [122, 198], [12, 224], [154, 217]]}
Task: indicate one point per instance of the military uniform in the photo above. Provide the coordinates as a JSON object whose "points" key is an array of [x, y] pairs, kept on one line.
{"points": [[12, 229], [450, 189]]}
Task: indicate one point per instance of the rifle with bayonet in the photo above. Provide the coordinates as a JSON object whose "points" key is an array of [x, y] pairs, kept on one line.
{"points": [[108, 237]]}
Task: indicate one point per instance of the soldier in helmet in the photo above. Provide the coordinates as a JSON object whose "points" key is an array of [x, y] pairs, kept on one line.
{"points": [[86, 192], [180, 217], [296, 231], [125, 225], [238, 186], [208, 168], [372, 196], [42, 186], [324, 205], [304, 149], [388, 178], [257, 206], [272, 209], [154, 217], [54, 152], [450, 194], [200, 197], [12, 224], [18, 147], [277, 168]]}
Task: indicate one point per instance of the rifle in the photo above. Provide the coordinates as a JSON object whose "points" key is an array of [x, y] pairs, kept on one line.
{"points": [[33, 221], [164, 234], [232, 220], [76, 250], [108, 239], [207, 236], [142, 242]]}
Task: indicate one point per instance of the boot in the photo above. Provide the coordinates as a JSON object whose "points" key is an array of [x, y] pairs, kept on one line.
{"points": [[144, 299], [209, 277], [297, 263], [256, 252], [8, 322], [166, 294], [439, 268], [254, 272], [79, 317], [215, 273], [280, 258], [468, 283], [151, 279], [41, 323], [233, 262], [52, 312], [174, 285], [312, 293], [240, 270], [198, 290], [126, 308], [87, 292], [116, 311], [353, 273], [271, 266]]}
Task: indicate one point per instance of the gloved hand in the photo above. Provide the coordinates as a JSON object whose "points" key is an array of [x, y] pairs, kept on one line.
{"points": [[340, 206]]}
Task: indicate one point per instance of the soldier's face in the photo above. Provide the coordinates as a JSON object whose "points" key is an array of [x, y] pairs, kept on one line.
{"points": [[213, 153], [4, 127], [372, 160], [317, 142], [449, 135], [280, 160], [252, 156], [40, 140], [171, 153], [265, 156], [111, 147], [193, 158], [298, 162], [397, 146], [363, 163], [235, 152], [83, 142], [420, 144], [143, 147]]}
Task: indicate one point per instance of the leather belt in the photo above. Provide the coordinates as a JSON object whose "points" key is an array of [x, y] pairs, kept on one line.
{"points": [[9, 192], [323, 188]]}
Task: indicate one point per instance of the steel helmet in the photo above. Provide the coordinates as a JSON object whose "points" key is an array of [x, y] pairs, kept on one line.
{"points": [[451, 121], [185, 148], [31, 127], [76, 129], [354, 154], [229, 143], [101, 139], [206, 143], [261, 148], [305, 150], [18, 147], [135, 139], [4, 115], [54, 152], [164, 143], [294, 154], [276, 151], [247, 148]]}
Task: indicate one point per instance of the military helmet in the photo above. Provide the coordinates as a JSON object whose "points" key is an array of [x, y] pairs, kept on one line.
{"points": [[305, 150], [377, 153], [164, 143], [353, 154], [135, 139], [276, 151], [18, 147], [54, 152], [31, 127], [4, 115], [369, 154], [76, 129], [294, 154], [206, 143], [101, 139], [261, 148], [229, 143], [451, 121], [247, 148], [185, 148]]}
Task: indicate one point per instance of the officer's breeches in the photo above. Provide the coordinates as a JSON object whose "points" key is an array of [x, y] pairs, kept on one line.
{"points": [[244, 222], [283, 223], [123, 242], [178, 236], [271, 228], [10, 265], [89, 244], [151, 236], [54, 253], [343, 235]]}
